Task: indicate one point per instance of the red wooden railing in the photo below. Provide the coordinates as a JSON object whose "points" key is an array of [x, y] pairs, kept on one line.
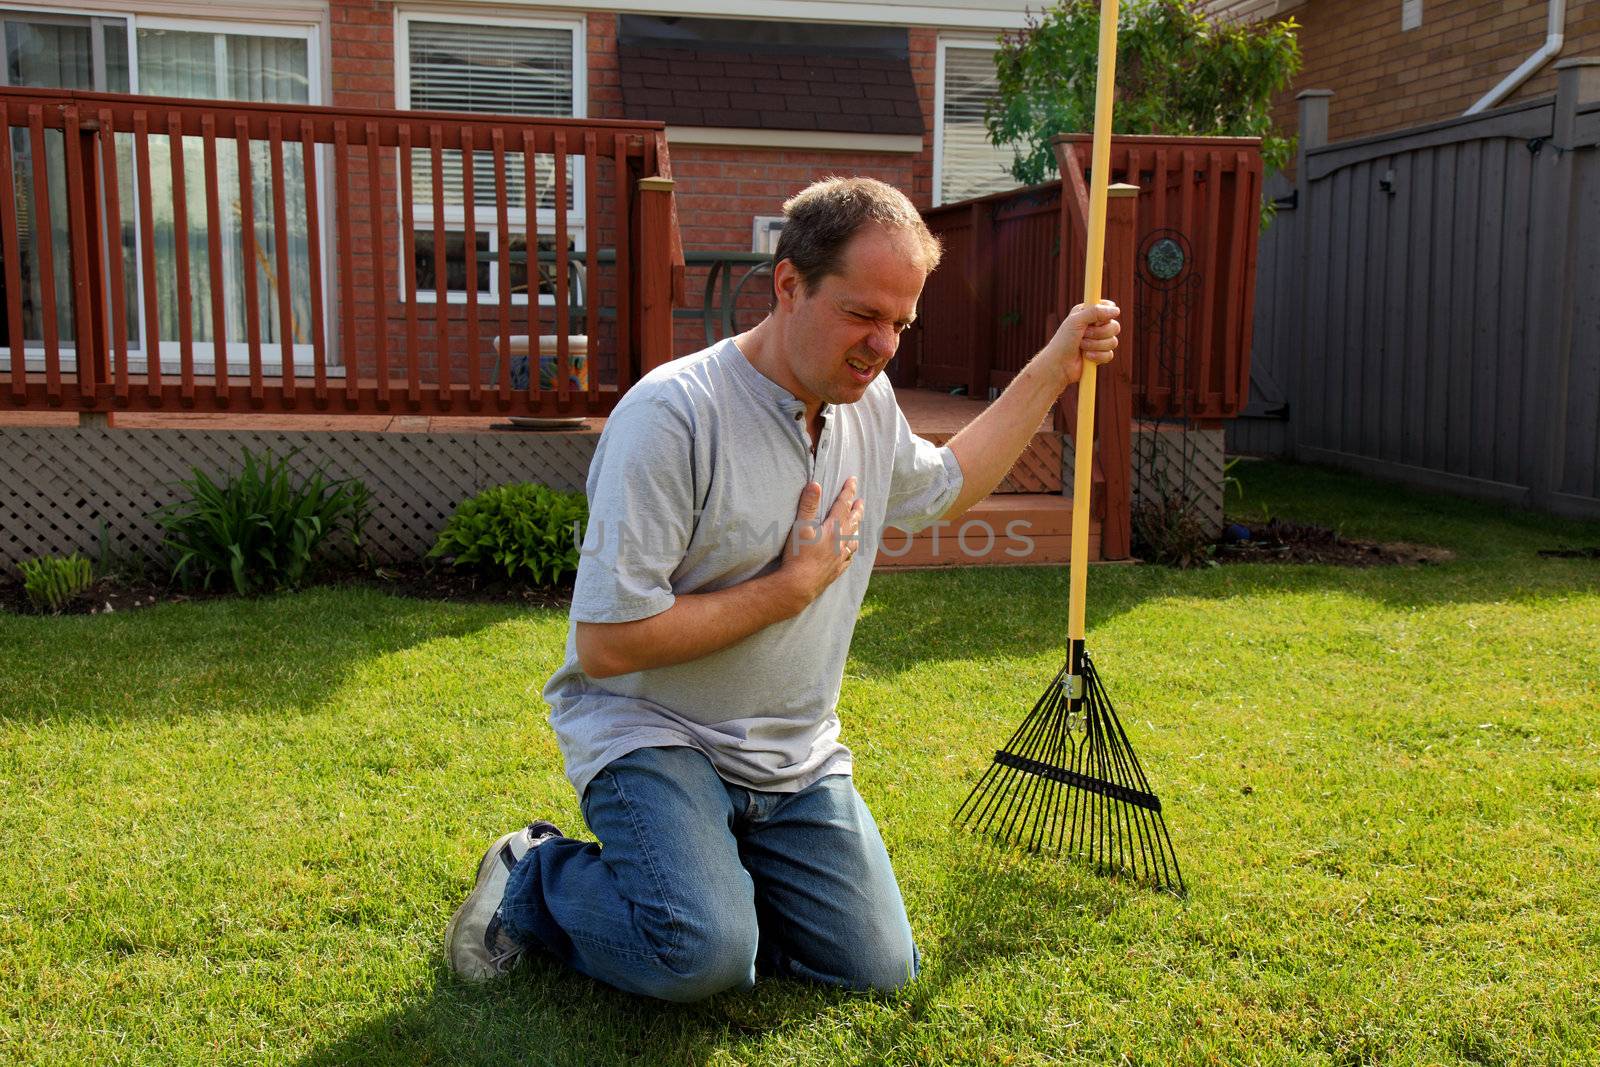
{"points": [[1012, 269], [1205, 191], [986, 309], [366, 342]]}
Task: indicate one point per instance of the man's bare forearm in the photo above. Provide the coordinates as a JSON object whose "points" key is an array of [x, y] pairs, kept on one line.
{"points": [[696, 625]]}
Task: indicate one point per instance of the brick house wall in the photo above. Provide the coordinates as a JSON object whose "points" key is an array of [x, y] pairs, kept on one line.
{"points": [[1386, 79], [719, 188]]}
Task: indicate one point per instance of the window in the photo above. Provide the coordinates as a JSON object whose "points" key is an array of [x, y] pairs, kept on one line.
{"points": [[508, 67], [229, 62], [179, 58], [965, 164], [52, 51]]}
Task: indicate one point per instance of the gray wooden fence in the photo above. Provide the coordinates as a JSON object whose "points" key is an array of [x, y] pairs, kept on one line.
{"points": [[1428, 308]]}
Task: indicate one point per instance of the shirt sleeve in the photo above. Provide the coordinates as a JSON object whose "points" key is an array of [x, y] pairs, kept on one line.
{"points": [[641, 514], [926, 479]]}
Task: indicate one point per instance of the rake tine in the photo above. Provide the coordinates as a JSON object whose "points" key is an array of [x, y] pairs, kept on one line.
{"points": [[1051, 789]]}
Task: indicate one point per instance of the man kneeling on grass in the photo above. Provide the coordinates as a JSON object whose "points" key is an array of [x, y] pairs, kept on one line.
{"points": [[711, 618]]}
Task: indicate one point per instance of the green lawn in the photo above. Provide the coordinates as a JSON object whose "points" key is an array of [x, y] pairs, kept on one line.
{"points": [[234, 831]]}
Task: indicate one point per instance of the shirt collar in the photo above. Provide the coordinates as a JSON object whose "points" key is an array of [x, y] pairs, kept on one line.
{"points": [[764, 387]]}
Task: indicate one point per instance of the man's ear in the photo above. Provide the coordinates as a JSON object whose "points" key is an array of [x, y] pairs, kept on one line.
{"points": [[786, 284]]}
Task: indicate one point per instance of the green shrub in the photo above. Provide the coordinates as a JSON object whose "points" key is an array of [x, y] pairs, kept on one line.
{"points": [[52, 582], [262, 528], [517, 531], [1179, 72]]}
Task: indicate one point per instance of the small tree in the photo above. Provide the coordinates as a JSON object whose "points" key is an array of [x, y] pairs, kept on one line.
{"points": [[1178, 73]]}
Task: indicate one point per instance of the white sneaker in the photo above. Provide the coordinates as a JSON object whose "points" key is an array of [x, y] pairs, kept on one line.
{"points": [[476, 946]]}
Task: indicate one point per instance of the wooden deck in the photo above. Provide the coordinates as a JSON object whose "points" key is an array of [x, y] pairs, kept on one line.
{"points": [[931, 415]]}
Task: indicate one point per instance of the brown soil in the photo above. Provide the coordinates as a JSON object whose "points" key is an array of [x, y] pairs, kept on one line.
{"points": [[1294, 542]]}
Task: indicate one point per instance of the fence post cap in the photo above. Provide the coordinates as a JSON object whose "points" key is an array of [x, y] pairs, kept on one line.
{"points": [[1307, 94], [656, 184], [1122, 189], [1578, 61]]}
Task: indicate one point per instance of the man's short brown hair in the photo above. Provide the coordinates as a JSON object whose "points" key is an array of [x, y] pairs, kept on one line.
{"points": [[820, 220]]}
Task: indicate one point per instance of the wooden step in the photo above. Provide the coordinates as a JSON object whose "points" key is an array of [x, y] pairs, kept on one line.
{"points": [[939, 416], [1004, 529]]}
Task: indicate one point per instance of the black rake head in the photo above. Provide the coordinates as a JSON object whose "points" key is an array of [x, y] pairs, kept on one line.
{"points": [[1068, 783]]}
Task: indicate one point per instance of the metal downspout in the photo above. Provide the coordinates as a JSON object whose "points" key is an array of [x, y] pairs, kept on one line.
{"points": [[1555, 27]]}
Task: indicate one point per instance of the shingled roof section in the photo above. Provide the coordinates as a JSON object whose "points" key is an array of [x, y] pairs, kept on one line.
{"points": [[768, 90]]}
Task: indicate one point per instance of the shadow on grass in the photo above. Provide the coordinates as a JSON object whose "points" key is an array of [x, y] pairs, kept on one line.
{"points": [[988, 914], [946, 616], [253, 656], [918, 617]]}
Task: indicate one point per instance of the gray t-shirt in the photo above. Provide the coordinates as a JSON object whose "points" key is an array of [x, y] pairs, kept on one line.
{"points": [[694, 488]]}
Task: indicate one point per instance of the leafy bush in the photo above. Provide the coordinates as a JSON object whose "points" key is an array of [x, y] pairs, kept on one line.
{"points": [[517, 531], [1165, 530], [1178, 73], [53, 582], [262, 528]]}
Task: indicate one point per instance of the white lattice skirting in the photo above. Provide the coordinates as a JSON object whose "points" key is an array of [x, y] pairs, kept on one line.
{"points": [[1168, 461], [93, 490]]}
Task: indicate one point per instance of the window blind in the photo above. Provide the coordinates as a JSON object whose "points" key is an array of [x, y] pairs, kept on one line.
{"points": [[969, 164], [505, 70]]}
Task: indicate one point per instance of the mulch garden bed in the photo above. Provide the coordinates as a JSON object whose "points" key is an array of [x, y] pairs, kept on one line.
{"points": [[1277, 541], [1280, 541]]}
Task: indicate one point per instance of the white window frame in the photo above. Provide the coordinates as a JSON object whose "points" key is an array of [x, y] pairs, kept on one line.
{"points": [[944, 45], [487, 218], [237, 353]]}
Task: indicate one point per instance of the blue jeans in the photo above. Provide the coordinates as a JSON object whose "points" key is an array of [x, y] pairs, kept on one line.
{"points": [[696, 882]]}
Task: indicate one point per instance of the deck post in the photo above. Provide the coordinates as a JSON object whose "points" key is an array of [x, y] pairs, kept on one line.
{"points": [[1114, 384], [655, 284]]}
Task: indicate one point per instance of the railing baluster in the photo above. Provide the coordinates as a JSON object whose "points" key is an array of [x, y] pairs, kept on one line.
{"points": [[280, 259], [1146, 347], [249, 255], [83, 233], [180, 255], [1172, 382], [1252, 248], [319, 354], [347, 292], [1235, 256], [1202, 400], [469, 211], [380, 284], [1131, 335], [147, 257], [10, 248], [563, 265], [110, 182], [441, 282], [408, 273], [47, 268], [219, 313], [530, 225], [623, 241], [591, 244], [503, 235]]}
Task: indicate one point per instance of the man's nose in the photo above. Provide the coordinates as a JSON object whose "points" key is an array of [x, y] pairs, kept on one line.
{"points": [[883, 341]]}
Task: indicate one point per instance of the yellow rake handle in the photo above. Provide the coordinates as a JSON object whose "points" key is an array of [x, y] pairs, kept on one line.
{"points": [[1094, 262]]}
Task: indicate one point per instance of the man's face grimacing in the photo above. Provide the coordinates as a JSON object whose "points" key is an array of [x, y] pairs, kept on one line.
{"points": [[843, 333]]}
